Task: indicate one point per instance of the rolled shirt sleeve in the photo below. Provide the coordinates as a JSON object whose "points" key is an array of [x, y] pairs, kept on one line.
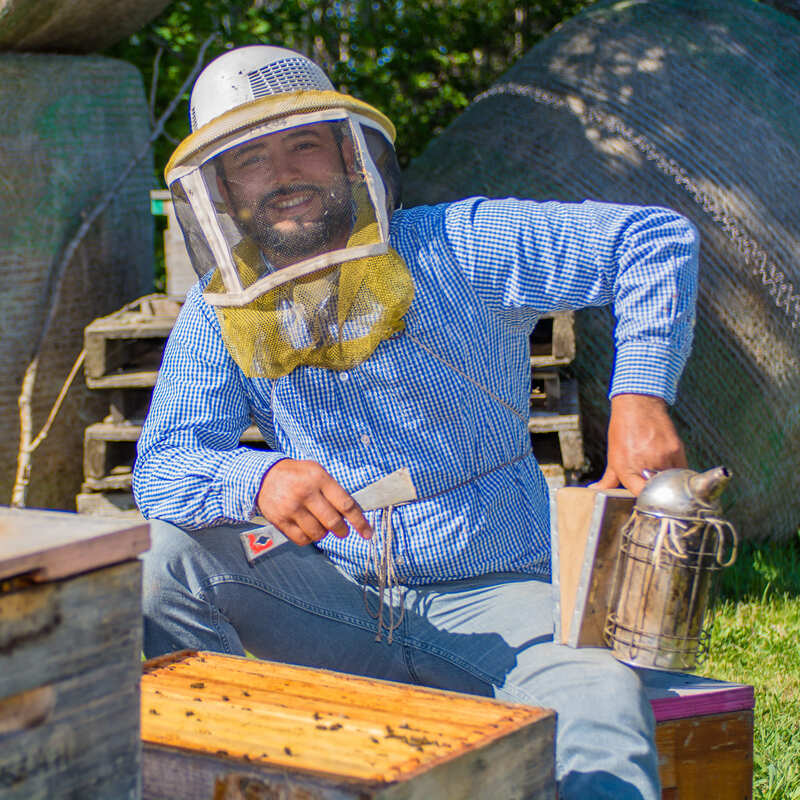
{"points": [[525, 255]]}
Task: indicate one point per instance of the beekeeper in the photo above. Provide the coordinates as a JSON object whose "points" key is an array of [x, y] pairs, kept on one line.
{"points": [[366, 340]]}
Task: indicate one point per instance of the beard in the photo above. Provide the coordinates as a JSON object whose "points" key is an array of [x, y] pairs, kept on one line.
{"points": [[301, 239]]}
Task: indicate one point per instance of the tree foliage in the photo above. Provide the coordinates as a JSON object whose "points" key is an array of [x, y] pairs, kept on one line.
{"points": [[419, 62]]}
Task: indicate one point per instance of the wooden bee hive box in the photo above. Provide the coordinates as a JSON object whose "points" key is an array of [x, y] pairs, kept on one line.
{"points": [[70, 656], [225, 728]]}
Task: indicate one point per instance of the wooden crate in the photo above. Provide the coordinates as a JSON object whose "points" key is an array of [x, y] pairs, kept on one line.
{"points": [[124, 349], [223, 727], [70, 644]]}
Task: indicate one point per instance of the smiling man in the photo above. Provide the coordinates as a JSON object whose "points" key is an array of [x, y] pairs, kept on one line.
{"points": [[291, 192], [366, 340]]}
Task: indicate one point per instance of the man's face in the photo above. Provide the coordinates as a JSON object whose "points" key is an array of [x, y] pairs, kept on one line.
{"points": [[291, 191]]}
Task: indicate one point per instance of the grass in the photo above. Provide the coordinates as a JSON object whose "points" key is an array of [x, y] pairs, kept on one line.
{"points": [[756, 640]]}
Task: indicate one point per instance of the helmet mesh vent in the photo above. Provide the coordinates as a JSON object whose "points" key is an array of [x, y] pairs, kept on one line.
{"points": [[287, 75]]}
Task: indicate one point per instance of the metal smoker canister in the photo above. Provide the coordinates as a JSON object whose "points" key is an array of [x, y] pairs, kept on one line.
{"points": [[673, 547]]}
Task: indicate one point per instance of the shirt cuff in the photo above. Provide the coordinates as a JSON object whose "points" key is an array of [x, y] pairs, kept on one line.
{"points": [[646, 368], [243, 479]]}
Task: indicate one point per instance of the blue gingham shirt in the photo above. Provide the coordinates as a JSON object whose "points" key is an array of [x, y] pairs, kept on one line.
{"points": [[483, 270]]}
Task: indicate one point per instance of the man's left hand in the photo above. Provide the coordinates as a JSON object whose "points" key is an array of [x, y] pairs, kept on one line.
{"points": [[641, 437]]}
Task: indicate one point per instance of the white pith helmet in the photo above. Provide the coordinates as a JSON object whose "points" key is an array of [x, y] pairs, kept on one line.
{"points": [[246, 96], [250, 73]]}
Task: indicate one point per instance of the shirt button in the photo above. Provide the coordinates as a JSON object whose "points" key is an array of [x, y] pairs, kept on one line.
{"points": [[344, 377], [364, 439]]}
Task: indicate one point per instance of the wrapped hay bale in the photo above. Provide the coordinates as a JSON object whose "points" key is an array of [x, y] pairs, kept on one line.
{"points": [[71, 26], [695, 106], [70, 126]]}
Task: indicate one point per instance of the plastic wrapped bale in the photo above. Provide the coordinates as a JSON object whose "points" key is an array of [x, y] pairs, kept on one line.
{"points": [[71, 124], [72, 26], [695, 106]]}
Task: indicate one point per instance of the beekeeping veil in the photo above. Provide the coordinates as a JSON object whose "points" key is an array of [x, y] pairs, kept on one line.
{"points": [[284, 191]]}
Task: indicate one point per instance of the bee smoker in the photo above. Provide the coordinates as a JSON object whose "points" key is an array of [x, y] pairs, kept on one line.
{"points": [[672, 550]]}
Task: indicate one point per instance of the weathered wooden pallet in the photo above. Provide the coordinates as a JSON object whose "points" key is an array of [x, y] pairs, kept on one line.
{"points": [[129, 404], [109, 448], [228, 727], [545, 389], [555, 475], [109, 451], [556, 436], [119, 504], [553, 340], [125, 348]]}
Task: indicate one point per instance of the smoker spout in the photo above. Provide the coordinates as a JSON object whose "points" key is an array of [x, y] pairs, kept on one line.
{"points": [[708, 486]]}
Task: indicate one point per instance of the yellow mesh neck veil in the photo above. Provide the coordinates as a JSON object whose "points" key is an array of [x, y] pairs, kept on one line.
{"points": [[333, 318]]}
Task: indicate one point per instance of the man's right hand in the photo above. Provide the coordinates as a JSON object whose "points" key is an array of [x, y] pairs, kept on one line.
{"points": [[304, 502]]}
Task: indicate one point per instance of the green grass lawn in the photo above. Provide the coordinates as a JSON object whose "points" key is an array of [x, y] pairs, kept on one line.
{"points": [[756, 640]]}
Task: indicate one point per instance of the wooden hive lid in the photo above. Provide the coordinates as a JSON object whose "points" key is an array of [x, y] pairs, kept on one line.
{"points": [[316, 721], [49, 545]]}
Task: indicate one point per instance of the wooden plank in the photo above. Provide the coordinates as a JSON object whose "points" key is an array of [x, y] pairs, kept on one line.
{"points": [[119, 480], [569, 534], [586, 535], [571, 444], [331, 734], [131, 379], [46, 545], [86, 745], [611, 511], [677, 695], [707, 757]]}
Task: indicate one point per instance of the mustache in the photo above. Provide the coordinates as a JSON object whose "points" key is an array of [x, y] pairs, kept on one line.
{"points": [[287, 190]]}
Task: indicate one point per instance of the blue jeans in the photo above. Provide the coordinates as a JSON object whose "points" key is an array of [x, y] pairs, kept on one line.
{"points": [[491, 636]]}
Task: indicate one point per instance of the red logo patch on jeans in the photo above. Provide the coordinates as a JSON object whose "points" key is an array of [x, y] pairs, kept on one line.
{"points": [[259, 542]]}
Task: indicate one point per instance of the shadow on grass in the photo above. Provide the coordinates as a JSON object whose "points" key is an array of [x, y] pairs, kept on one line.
{"points": [[763, 570]]}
